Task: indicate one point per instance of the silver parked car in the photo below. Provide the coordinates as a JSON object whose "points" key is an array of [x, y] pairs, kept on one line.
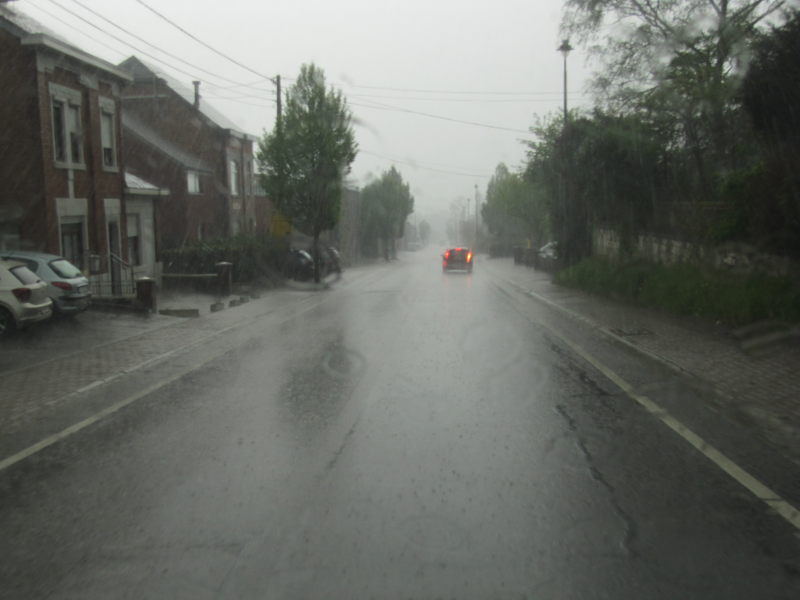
{"points": [[66, 285], [23, 297]]}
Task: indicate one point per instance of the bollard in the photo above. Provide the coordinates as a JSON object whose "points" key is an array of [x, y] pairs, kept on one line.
{"points": [[146, 293], [224, 278]]}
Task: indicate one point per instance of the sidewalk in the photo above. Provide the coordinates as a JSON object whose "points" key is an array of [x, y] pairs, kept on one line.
{"points": [[51, 366], [765, 389]]}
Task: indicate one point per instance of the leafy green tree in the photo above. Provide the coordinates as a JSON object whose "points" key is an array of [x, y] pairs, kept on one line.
{"points": [[305, 158], [767, 196], [386, 203], [424, 232], [514, 208], [682, 59], [600, 170]]}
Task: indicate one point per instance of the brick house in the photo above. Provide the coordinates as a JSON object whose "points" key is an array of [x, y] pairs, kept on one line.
{"points": [[176, 141], [61, 168]]}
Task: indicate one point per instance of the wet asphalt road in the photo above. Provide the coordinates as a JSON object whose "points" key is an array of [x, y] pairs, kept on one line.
{"points": [[407, 434]]}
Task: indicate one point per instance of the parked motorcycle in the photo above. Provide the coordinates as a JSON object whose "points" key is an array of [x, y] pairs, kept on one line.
{"points": [[299, 265]]}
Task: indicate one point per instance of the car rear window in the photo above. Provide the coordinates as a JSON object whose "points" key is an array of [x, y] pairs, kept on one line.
{"points": [[24, 274], [63, 268]]}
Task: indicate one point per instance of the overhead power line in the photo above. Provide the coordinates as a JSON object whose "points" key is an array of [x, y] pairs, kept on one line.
{"points": [[424, 167], [201, 42], [457, 92], [388, 107], [518, 100], [158, 48], [122, 41], [123, 52]]}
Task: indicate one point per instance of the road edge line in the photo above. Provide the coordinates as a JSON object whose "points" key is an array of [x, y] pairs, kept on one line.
{"points": [[744, 478], [109, 410], [100, 415]]}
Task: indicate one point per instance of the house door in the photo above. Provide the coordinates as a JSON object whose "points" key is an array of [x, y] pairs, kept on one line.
{"points": [[114, 266]]}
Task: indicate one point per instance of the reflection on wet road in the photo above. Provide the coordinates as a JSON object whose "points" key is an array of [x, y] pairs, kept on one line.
{"points": [[410, 436]]}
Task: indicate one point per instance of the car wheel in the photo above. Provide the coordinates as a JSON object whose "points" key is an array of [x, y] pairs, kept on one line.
{"points": [[7, 323]]}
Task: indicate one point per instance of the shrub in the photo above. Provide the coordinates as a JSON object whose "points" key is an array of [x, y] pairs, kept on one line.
{"points": [[689, 290]]}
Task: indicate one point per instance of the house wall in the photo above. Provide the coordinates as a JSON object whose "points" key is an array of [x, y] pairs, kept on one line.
{"points": [[183, 217], [21, 168], [92, 181], [44, 194]]}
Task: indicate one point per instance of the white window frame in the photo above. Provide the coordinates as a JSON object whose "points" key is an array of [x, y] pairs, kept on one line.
{"points": [[193, 177], [70, 99], [233, 177], [108, 108]]}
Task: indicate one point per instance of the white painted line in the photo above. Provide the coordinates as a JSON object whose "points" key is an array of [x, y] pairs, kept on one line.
{"points": [[605, 331], [768, 496], [109, 410]]}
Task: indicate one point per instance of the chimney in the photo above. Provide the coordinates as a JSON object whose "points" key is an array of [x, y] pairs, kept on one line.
{"points": [[196, 94]]}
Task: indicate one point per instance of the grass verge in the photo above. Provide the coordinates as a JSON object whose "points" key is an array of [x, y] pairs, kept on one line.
{"points": [[689, 290]]}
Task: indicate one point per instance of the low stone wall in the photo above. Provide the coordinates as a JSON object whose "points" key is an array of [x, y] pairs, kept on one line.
{"points": [[738, 257]]}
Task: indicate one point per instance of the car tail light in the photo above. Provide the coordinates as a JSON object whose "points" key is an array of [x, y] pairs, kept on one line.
{"points": [[22, 294], [447, 255], [63, 285], [469, 256]]}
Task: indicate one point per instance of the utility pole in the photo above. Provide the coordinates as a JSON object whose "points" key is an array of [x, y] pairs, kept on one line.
{"points": [[565, 49], [475, 244], [278, 90]]}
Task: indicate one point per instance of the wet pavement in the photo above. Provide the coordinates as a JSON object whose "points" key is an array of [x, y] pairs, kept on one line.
{"points": [[404, 434]]}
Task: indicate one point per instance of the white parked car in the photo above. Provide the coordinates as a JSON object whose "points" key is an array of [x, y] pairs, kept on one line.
{"points": [[67, 287], [23, 297]]}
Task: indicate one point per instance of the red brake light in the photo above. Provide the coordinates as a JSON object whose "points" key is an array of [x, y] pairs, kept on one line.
{"points": [[447, 254], [63, 285], [22, 294]]}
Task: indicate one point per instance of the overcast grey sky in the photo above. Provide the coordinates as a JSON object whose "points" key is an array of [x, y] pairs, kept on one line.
{"points": [[493, 63]]}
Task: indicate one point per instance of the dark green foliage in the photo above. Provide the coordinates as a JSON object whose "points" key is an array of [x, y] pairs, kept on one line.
{"points": [[768, 196], [515, 209], [253, 256], [385, 205], [598, 170], [771, 89], [306, 157], [689, 290]]}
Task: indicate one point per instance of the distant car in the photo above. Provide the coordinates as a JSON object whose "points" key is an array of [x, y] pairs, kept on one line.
{"points": [[23, 297], [457, 259], [67, 287]]}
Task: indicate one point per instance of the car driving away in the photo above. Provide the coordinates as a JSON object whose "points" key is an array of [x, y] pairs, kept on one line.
{"points": [[457, 259]]}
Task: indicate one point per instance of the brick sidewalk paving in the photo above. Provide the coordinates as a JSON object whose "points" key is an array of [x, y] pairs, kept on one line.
{"points": [[28, 391], [766, 388]]}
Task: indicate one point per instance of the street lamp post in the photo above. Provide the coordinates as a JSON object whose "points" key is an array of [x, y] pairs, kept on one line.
{"points": [[475, 243], [565, 49]]}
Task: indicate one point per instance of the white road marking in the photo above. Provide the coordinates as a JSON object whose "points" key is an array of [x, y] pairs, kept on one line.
{"points": [[768, 496], [109, 410]]}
